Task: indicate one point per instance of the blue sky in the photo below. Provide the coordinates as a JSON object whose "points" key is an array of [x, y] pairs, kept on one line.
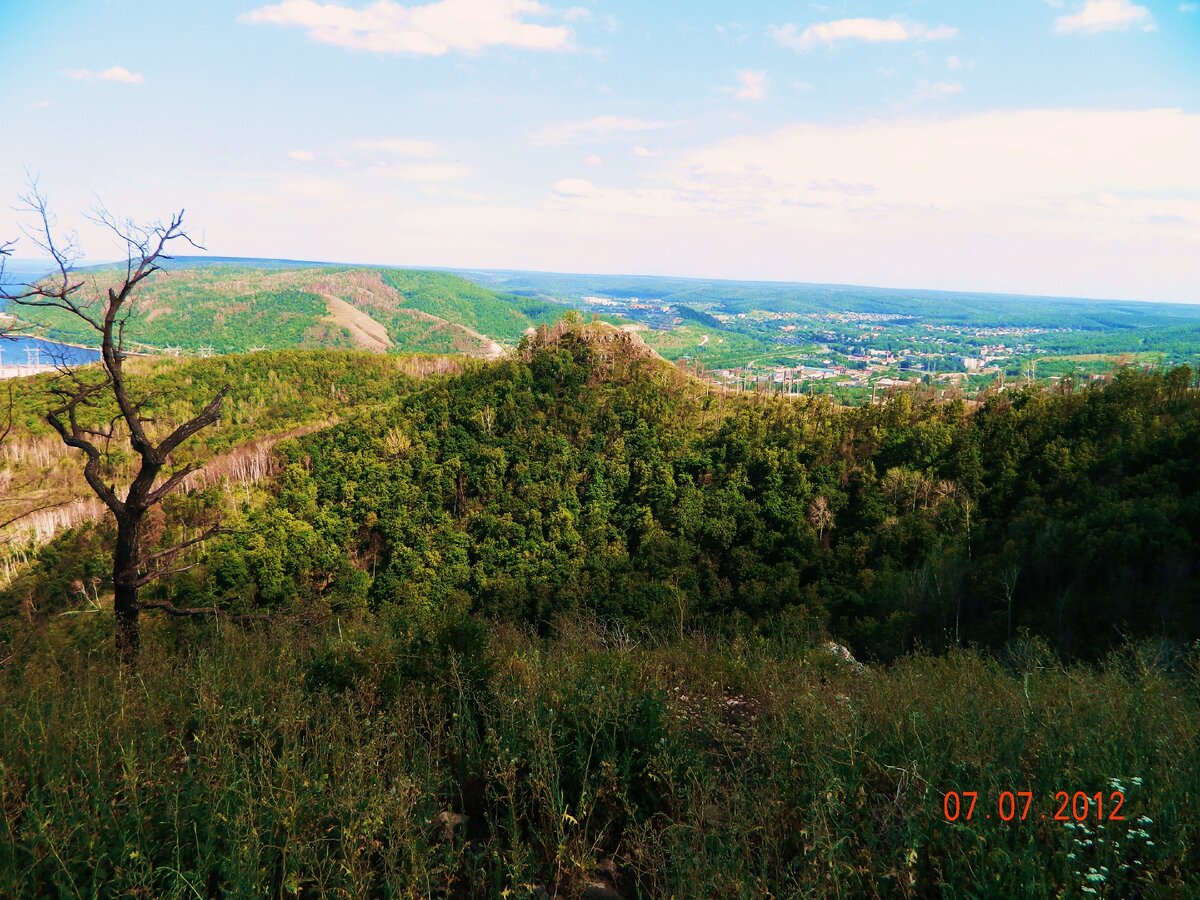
{"points": [[1025, 145]]}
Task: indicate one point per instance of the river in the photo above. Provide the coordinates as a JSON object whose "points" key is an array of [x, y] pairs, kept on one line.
{"points": [[25, 355]]}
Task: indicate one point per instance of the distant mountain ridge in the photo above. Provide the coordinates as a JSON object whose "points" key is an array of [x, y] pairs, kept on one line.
{"points": [[226, 305]]}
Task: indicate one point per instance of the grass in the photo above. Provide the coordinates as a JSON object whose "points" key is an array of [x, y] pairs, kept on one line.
{"points": [[396, 760]]}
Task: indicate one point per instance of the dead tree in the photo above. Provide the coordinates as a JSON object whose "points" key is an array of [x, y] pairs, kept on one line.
{"points": [[81, 390]]}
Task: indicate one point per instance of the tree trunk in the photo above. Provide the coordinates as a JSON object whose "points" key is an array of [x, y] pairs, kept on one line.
{"points": [[125, 587]]}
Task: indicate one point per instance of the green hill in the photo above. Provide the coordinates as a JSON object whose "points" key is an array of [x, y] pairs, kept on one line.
{"points": [[239, 306]]}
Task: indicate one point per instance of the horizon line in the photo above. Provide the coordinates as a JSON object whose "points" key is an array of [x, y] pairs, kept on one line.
{"points": [[692, 278]]}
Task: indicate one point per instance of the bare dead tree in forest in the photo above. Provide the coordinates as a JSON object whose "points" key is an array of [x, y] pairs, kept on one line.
{"points": [[84, 388], [820, 516]]}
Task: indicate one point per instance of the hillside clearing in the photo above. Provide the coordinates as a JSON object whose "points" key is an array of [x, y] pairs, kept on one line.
{"points": [[367, 333]]}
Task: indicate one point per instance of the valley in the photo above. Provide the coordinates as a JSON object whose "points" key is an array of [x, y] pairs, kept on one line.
{"points": [[850, 343]]}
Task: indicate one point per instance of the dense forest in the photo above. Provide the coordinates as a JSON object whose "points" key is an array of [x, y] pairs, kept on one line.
{"points": [[559, 622], [587, 476]]}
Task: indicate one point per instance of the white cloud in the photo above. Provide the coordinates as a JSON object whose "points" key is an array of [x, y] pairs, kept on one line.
{"points": [[1105, 15], [575, 13], [42, 104], [1000, 170], [868, 30], [1188, 7], [595, 129], [1019, 176], [937, 90], [644, 152], [752, 85], [400, 146], [116, 73], [315, 188], [574, 187], [301, 155], [425, 172], [593, 160], [432, 29]]}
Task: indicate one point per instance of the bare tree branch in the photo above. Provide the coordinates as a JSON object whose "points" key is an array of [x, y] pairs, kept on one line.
{"points": [[108, 311], [172, 610], [8, 416], [172, 552]]}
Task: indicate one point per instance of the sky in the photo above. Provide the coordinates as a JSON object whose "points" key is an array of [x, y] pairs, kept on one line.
{"points": [[1025, 146]]}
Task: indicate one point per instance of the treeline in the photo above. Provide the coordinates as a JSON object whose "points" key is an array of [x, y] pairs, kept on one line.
{"points": [[580, 477]]}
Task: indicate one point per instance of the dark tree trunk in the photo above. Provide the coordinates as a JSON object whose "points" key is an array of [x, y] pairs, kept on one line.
{"points": [[126, 559], [108, 311]]}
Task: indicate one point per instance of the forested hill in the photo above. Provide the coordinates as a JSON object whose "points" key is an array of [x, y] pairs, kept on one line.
{"points": [[584, 475], [241, 305], [558, 622]]}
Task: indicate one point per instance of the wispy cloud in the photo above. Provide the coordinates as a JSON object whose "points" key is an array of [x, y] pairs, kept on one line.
{"points": [[1105, 15], [424, 172], [574, 187], [1018, 172], [116, 73], [752, 85], [936, 90], [400, 147], [596, 128], [315, 188], [432, 29], [872, 31], [302, 155]]}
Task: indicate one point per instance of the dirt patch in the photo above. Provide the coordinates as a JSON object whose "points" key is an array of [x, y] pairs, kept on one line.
{"points": [[367, 333]]}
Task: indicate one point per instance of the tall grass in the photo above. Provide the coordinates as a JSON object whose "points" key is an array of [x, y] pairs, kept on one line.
{"points": [[476, 762]]}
